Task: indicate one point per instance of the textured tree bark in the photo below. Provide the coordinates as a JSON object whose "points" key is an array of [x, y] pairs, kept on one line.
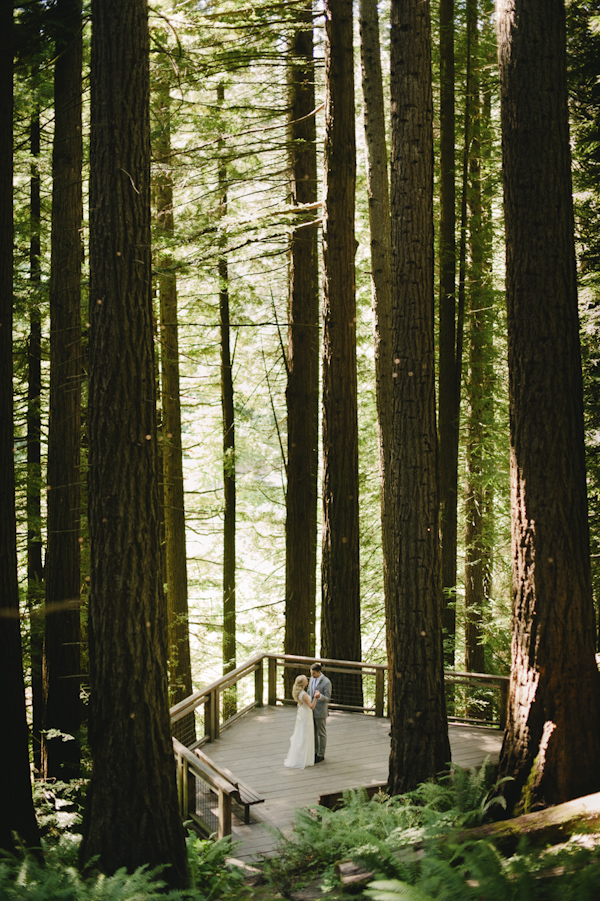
{"points": [[381, 248], [35, 570], [449, 371], [180, 667], [131, 816], [552, 739], [16, 810], [62, 638], [302, 392], [478, 389], [340, 633], [229, 462], [419, 734]]}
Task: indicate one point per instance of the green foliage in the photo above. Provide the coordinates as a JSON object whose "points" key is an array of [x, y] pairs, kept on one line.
{"points": [[378, 831], [477, 870], [58, 879], [54, 876], [210, 878], [58, 807], [407, 842]]}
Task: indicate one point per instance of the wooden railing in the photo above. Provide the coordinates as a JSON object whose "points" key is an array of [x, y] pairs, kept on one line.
{"points": [[194, 779], [206, 795], [480, 682]]}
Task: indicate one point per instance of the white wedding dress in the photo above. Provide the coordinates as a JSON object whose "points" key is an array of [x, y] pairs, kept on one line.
{"points": [[302, 742]]}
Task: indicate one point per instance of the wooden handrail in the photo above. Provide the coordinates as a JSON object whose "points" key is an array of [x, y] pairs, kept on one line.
{"points": [[477, 677], [179, 710], [210, 694], [206, 772], [352, 665], [224, 789]]}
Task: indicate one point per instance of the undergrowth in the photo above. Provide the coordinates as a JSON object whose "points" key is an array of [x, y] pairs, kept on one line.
{"points": [[53, 874], [407, 842]]}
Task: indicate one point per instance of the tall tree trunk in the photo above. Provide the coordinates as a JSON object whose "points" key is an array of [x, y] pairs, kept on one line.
{"points": [[302, 392], [16, 810], [131, 815], [381, 248], [448, 377], [35, 572], [61, 666], [419, 733], [340, 627], [478, 387], [180, 667], [552, 740], [229, 463]]}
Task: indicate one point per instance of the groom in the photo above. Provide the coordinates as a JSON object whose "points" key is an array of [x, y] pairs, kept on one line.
{"points": [[319, 682]]}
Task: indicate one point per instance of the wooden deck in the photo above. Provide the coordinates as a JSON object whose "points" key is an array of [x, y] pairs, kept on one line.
{"points": [[255, 747]]}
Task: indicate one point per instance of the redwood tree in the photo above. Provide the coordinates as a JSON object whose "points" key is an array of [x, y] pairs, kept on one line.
{"points": [[302, 392], [131, 816], [16, 809], [552, 741], [35, 568], [379, 224], [419, 734], [180, 668], [340, 636], [61, 666], [449, 362]]}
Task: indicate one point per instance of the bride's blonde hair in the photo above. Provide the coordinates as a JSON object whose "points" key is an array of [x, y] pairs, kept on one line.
{"points": [[298, 687]]}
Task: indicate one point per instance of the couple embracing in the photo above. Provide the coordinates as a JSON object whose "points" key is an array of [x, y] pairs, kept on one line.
{"points": [[307, 744]]}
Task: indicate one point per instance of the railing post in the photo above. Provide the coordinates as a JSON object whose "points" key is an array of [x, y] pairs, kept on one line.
{"points": [[503, 703], [212, 715], [185, 796], [179, 763], [258, 684], [214, 706], [379, 686], [224, 814], [207, 718], [272, 681]]}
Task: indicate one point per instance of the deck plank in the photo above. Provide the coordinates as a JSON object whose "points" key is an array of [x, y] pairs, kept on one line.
{"points": [[255, 747]]}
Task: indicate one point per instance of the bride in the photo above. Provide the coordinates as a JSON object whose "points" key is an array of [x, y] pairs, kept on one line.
{"points": [[302, 742]]}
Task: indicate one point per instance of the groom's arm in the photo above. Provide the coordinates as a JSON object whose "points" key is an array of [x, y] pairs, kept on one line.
{"points": [[326, 691]]}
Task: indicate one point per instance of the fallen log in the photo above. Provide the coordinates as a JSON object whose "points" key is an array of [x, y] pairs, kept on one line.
{"points": [[252, 875], [352, 877], [543, 827]]}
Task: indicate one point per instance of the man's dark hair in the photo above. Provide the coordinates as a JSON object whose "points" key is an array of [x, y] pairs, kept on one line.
{"points": [[316, 667]]}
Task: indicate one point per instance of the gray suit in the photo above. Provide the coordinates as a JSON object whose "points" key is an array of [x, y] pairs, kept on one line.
{"points": [[320, 712]]}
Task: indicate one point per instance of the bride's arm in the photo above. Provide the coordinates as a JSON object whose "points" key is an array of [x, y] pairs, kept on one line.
{"points": [[306, 699]]}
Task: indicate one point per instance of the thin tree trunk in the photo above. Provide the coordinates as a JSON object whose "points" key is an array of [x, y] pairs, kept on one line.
{"points": [[552, 740], [479, 495], [180, 668], [35, 572], [229, 463], [449, 378], [302, 392], [131, 816], [419, 732], [476, 556], [340, 633], [61, 666], [16, 810], [381, 249]]}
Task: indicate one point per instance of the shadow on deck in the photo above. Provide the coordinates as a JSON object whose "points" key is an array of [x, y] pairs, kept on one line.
{"points": [[357, 754]]}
